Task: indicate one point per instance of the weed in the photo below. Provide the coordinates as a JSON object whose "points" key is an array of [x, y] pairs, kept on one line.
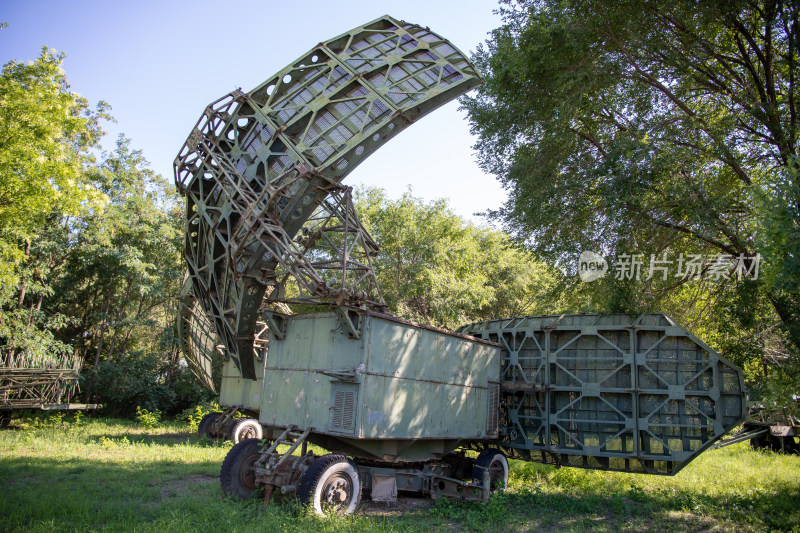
{"points": [[193, 415], [194, 418], [147, 419]]}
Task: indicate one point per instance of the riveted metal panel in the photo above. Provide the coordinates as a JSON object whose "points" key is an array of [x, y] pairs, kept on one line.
{"points": [[397, 381], [611, 391], [239, 392], [295, 389]]}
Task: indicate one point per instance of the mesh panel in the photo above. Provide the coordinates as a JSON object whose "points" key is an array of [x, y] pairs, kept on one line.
{"points": [[611, 392]]}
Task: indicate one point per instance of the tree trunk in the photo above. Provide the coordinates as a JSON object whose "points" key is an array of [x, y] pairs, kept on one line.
{"points": [[120, 315], [106, 306], [21, 299], [133, 325], [82, 345], [788, 314]]}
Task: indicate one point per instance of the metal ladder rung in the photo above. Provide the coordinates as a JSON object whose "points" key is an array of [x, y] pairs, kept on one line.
{"points": [[291, 432]]}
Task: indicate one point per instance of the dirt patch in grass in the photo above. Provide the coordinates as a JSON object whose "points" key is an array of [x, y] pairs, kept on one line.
{"points": [[178, 487], [694, 521], [401, 506]]}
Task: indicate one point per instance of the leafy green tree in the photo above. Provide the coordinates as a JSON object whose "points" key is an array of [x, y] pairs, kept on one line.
{"points": [[46, 132], [642, 127], [89, 252], [122, 274], [435, 268]]}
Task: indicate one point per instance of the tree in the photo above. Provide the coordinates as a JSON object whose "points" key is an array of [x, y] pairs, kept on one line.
{"points": [[46, 132], [642, 127], [122, 276], [89, 251], [435, 268]]}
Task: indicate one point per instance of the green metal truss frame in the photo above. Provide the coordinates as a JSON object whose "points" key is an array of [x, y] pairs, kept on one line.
{"points": [[258, 165], [612, 392]]}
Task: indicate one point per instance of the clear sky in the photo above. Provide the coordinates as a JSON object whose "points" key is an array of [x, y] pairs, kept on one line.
{"points": [[158, 63]]}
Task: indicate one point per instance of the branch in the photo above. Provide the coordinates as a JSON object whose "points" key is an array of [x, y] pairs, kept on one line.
{"points": [[591, 139], [682, 229]]}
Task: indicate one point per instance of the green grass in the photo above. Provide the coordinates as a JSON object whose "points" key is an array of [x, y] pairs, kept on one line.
{"points": [[112, 475]]}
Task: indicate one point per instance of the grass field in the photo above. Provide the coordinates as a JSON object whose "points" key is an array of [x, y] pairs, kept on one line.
{"points": [[111, 475]]}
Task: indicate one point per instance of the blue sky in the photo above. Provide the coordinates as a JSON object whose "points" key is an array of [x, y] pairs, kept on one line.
{"points": [[159, 63]]}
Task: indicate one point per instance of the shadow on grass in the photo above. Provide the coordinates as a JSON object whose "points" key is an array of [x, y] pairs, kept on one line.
{"points": [[633, 510], [82, 494], [48, 494], [162, 439]]}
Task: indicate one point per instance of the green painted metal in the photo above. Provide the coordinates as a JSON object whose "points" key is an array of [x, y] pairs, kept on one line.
{"points": [[400, 391], [611, 391], [269, 222], [197, 336], [235, 391], [201, 346], [260, 166]]}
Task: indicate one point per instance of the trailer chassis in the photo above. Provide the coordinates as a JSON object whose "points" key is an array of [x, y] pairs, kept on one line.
{"points": [[336, 482]]}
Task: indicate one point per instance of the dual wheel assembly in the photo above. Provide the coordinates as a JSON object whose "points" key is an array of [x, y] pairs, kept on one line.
{"points": [[333, 482], [220, 426]]}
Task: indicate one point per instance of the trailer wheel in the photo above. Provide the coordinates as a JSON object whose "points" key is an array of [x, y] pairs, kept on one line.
{"points": [[246, 428], [497, 464], [331, 482], [204, 427], [760, 441], [238, 476]]}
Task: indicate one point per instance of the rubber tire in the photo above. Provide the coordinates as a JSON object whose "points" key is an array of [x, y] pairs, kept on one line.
{"points": [[205, 424], [246, 428], [313, 482], [493, 460], [759, 442], [236, 475]]}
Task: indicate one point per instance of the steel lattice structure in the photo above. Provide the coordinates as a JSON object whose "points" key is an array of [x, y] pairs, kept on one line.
{"points": [[197, 336], [36, 388], [270, 223], [261, 166], [611, 391]]}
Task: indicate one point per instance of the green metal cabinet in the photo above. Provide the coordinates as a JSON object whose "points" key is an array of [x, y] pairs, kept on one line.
{"points": [[238, 391], [398, 381]]}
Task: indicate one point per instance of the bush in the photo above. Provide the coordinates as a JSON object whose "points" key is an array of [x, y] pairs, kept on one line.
{"points": [[189, 392], [193, 415], [147, 419], [135, 380]]}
